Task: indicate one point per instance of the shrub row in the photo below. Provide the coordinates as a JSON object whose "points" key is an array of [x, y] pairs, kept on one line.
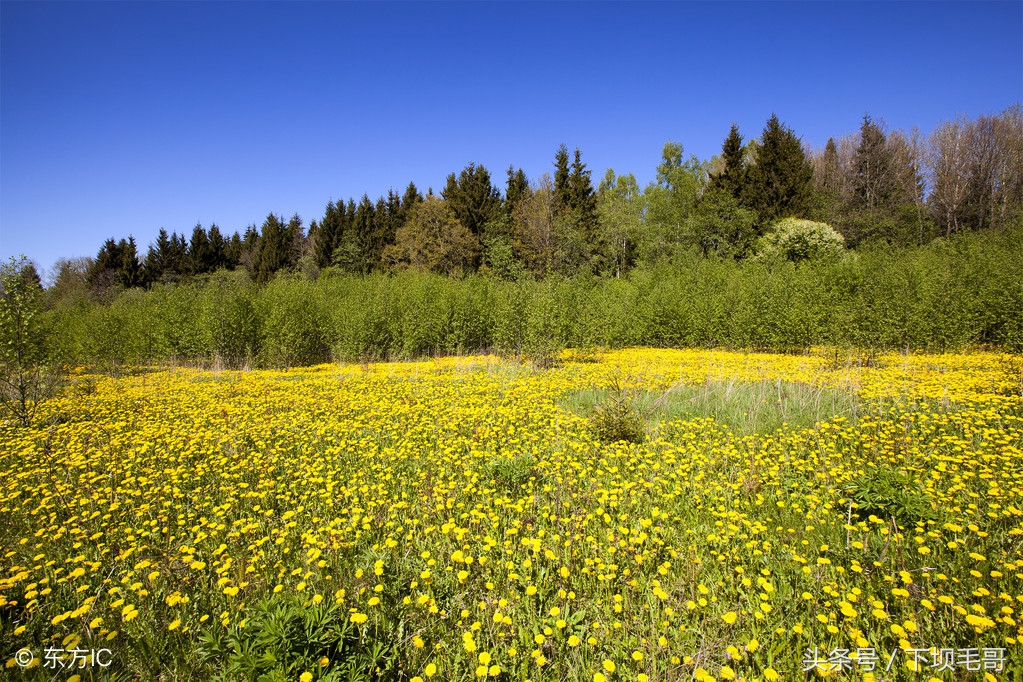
{"points": [[947, 295]]}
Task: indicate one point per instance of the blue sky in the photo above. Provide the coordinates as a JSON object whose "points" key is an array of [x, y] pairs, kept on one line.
{"points": [[120, 118]]}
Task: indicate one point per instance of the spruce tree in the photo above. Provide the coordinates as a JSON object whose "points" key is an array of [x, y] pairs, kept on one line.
{"points": [[198, 251], [156, 259], [129, 271], [473, 198], [328, 232], [732, 178], [218, 249], [875, 183], [270, 248], [517, 187], [779, 184], [562, 187], [582, 198]]}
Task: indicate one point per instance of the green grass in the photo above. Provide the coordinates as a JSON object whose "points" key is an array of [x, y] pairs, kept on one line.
{"points": [[747, 408]]}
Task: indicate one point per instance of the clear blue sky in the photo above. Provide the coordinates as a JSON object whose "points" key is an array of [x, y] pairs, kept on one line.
{"points": [[120, 118]]}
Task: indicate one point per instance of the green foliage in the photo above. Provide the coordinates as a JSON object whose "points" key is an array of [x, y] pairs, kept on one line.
{"points": [[473, 199], [615, 419], [890, 494], [733, 176], [28, 373], [284, 637], [948, 295], [780, 182], [797, 240], [513, 472]]}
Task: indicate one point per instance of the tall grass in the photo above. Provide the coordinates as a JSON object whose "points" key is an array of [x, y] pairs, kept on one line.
{"points": [[948, 295]]}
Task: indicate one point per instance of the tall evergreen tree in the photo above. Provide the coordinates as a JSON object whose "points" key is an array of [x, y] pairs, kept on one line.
{"points": [[233, 251], [271, 249], [199, 255], [779, 184], [409, 199], [517, 187], [156, 258], [129, 273], [218, 249], [582, 198], [473, 198], [562, 186], [328, 233], [875, 184], [732, 178], [177, 256]]}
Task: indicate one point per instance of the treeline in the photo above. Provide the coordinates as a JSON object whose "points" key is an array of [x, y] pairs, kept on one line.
{"points": [[948, 294], [874, 187]]}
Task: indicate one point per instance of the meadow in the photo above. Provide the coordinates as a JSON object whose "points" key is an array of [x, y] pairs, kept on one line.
{"points": [[769, 516]]}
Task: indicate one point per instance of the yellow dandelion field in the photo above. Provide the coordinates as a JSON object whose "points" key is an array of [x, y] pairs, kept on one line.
{"points": [[462, 519]]}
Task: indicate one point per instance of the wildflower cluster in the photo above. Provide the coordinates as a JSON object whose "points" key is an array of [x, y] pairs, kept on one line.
{"points": [[161, 509]]}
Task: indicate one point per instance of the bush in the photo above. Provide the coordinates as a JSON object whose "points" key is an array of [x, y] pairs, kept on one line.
{"points": [[890, 494], [798, 240], [28, 373], [615, 419]]}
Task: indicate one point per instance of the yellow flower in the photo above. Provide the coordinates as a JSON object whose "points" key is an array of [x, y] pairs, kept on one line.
{"points": [[306, 677], [730, 617], [608, 665], [174, 624]]}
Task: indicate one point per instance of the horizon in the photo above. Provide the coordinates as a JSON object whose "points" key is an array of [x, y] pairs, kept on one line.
{"points": [[122, 119]]}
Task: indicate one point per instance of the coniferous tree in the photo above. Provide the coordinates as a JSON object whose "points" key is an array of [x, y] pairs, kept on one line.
{"points": [[103, 271], [129, 273], [473, 198], [409, 199], [779, 184], [293, 241], [218, 249], [199, 251], [733, 176], [233, 251], [582, 198], [328, 233], [156, 258], [562, 187], [271, 248], [517, 187], [875, 185], [177, 259]]}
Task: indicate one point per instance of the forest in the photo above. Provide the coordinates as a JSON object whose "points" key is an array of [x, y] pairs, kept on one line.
{"points": [[882, 239]]}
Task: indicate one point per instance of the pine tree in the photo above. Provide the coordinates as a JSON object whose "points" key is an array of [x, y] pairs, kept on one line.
{"points": [[582, 198], [517, 187], [562, 187], [779, 184], [129, 272], [156, 258], [875, 184], [233, 251], [198, 251], [218, 249], [473, 198], [328, 232], [732, 178], [270, 249]]}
